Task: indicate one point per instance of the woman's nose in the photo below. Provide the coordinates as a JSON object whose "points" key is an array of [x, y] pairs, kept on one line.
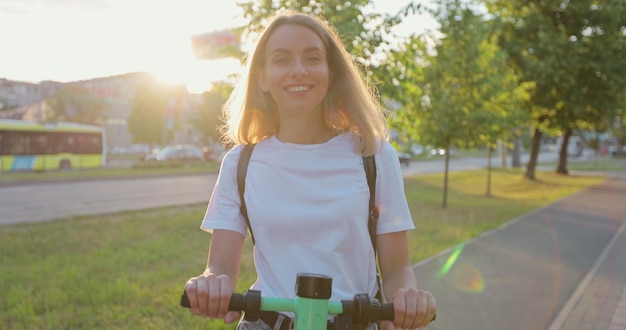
{"points": [[298, 70]]}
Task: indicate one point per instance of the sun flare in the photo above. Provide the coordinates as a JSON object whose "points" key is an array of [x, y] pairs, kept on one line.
{"points": [[197, 75], [177, 64]]}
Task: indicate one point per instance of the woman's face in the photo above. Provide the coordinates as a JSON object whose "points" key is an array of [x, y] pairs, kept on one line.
{"points": [[295, 71]]}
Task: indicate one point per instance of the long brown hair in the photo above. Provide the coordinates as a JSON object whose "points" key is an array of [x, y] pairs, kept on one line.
{"points": [[350, 104]]}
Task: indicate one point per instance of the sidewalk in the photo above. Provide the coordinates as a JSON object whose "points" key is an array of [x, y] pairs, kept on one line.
{"points": [[560, 267], [600, 300]]}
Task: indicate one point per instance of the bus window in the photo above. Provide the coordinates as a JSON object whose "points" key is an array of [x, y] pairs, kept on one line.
{"points": [[40, 144], [19, 144], [94, 143]]}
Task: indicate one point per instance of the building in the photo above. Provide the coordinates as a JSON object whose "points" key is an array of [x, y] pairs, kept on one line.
{"points": [[17, 97], [29, 101]]}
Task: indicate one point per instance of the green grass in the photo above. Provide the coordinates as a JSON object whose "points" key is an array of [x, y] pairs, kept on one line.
{"points": [[127, 270], [599, 164], [137, 170], [592, 164]]}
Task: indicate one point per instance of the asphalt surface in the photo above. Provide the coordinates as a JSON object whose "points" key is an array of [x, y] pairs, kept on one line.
{"points": [[37, 202], [560, 267]]}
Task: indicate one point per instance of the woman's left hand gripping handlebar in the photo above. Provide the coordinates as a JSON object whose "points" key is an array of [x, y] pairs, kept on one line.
{"points": [[413, 309], [209, 296]]}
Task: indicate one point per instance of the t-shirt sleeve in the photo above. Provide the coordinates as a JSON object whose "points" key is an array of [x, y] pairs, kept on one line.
{"points": [[390, 196], [223, 209]]}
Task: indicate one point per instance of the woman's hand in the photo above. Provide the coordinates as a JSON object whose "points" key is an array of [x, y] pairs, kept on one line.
{"points": [[413, 309], [209, 296]]}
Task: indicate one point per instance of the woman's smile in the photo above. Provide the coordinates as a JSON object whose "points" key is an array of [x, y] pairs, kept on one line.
{"points": [[299, 88]]}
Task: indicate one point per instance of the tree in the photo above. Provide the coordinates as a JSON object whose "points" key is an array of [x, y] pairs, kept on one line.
{"points": [[401, 84], [501, 118], [75, 103], [573, 54], [154, 113], [471, 98], [209, 115]]}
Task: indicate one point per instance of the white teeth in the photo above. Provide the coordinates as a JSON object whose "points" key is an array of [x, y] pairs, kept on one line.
{"points": [[298, 88]]}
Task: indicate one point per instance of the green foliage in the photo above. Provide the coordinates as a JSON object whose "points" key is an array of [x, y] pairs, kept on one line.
{"points": [[155, 113], [402, 80], [76, 103], [472, 97], [209, 115]]}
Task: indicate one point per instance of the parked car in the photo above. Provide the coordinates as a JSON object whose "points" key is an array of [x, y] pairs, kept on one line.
{"points": [[179, 153], [437, 151], [404, 158], [417, 149]]}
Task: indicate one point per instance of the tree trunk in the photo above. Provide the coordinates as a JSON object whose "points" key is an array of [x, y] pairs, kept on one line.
{"points": [[562, 166], [503, 152], [620, 148], [489, 172], [445, 179], [534, 153], [516, 160]]}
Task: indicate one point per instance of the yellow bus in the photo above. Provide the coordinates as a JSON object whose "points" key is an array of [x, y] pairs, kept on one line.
{"points": [[34, 146]]}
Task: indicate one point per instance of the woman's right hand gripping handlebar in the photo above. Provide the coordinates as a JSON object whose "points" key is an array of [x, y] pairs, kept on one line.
{"points": [[209, 296]]}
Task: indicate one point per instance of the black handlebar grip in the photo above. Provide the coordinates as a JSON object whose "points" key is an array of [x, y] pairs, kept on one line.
{"points": [[386, 311], [184, 300], [237, 301]]}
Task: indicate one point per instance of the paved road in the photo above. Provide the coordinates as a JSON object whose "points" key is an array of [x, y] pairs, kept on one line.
{"points": [[35, 202], [49, 201]]}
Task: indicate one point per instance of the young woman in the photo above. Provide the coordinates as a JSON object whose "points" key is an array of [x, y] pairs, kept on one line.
{"points": [[313, 117]]}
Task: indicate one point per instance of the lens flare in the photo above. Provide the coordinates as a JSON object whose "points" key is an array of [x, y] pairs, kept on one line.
{"points": [[464, 276], [467, 278], [451, 260]]}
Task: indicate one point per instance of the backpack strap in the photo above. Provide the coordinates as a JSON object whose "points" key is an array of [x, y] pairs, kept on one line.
{"points": [[370, 172], [242, 170], [369, 163]]}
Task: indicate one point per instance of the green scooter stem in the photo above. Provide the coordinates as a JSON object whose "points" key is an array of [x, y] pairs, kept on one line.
{"points": [[309, 313]]}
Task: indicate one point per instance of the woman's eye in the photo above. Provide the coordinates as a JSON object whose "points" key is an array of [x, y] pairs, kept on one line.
{"points": [[281, 60], [313, 59]]}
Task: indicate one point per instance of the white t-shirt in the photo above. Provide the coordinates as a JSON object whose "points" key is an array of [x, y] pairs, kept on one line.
{"points": [[308, 206]]}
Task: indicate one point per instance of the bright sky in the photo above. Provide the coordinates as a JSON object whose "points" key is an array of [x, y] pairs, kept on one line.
{"points": [[69, 40]]}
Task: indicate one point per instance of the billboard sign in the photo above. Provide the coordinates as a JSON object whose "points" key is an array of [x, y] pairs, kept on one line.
{"points": [[218, 44]]}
